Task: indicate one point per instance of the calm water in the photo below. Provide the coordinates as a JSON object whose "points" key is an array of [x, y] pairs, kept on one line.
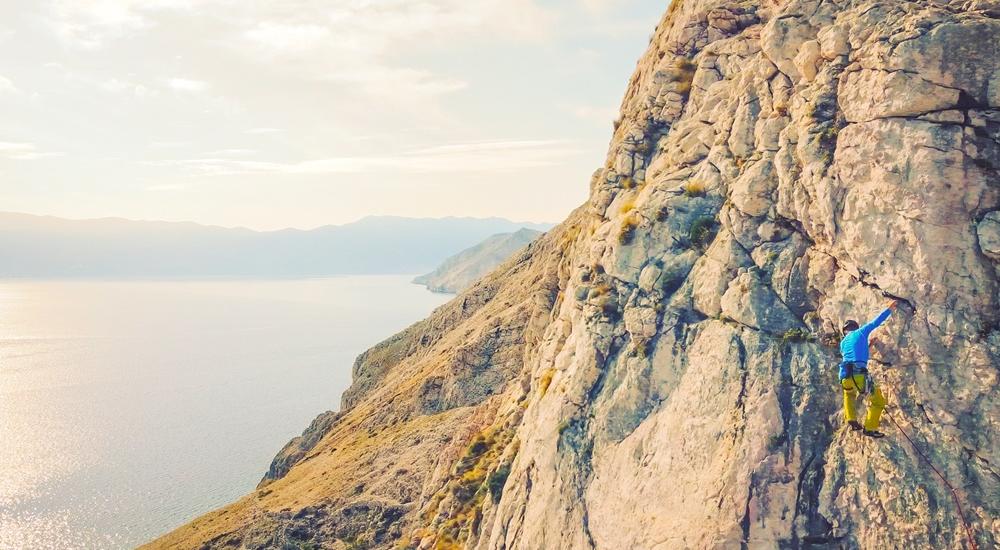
{"points": [[127, 408]]}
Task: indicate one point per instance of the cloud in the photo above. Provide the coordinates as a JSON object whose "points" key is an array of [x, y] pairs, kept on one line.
{"points": [[487, 146], [287, 38], [165, 144], [488, 156], [370, 28], [24, 151], [363, 25], [119, 86], [355, 43], [187, 85], [91, 24], [598, 7], [7, 86], [597, 114], [167, 187], [231, 152], [113, 85], [395, 82]]}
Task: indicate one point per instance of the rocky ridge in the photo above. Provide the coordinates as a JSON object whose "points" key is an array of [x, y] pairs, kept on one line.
{"points": [[659, 370], [458, 272]]}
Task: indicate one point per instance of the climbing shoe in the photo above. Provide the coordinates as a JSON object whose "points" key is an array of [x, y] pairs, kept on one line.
{"points": [[873, 433], [854, 424]]}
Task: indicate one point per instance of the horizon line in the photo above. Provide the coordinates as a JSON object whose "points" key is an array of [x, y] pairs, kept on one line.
{"points": [[250, 229]]}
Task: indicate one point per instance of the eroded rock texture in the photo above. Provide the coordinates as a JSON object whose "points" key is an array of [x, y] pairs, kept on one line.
{"points": [[659, 371]]}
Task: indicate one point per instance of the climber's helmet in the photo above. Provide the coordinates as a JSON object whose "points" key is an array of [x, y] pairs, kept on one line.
{"points": [[850, 326]]}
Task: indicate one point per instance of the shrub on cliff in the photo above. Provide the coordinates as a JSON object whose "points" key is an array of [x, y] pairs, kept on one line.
{"points": [[702, 231]]}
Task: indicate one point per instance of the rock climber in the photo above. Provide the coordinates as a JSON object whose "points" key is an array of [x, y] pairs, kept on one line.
{"points": [[854, 377]]}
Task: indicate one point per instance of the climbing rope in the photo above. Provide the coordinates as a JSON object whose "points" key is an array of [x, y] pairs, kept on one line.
{"points": [[954, 494]]}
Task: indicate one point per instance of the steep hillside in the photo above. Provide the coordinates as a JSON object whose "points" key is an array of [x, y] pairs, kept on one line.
{"points": [[659, 371], [458, 272]]}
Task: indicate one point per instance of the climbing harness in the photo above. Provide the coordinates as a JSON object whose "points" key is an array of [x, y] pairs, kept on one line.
{"points": [[869, 383], [954, 493]]}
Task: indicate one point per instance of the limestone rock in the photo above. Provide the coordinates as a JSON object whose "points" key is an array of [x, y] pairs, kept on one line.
{"points": [[988, 231], [867, 95], [807, 60], [834, 42], [659, 370], [297, 448]]}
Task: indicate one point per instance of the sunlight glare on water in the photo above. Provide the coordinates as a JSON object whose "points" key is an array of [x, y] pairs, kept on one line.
{"points": [[128, 408]]}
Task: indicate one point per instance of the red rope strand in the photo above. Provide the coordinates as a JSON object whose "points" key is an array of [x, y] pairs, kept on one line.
{"points": [[954, 494]]}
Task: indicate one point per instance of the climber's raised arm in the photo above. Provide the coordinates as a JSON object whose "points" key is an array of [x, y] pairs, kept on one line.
{"points": [[882, 317]]}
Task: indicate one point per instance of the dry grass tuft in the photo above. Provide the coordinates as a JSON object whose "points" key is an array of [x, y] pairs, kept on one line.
{"points": [[626, 233], [683, 73], [694, 188], [456, 510], [569, 237], [546, 380], [600, 290], [627, 206]]}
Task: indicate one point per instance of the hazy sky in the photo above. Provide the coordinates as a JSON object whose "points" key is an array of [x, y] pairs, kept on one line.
{"points": [[301, 113]]}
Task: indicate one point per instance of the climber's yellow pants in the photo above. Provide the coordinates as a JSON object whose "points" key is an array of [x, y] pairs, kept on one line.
{"points": [[875, 405]]}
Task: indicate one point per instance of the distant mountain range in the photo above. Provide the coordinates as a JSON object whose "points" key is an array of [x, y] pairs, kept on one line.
{"points": [[49, 247], [461, 270]]}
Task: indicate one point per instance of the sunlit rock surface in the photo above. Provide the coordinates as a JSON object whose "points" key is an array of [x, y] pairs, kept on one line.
{"points": [[659, 370]]}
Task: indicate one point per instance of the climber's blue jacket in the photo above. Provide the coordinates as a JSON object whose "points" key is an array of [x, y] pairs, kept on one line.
{"points": [[854, 346]]}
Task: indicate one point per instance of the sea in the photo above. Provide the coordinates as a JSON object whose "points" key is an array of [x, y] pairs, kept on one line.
{"points": [[128, 408]]}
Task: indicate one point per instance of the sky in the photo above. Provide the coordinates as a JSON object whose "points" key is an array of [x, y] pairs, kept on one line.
{"points": [[303, 113]]}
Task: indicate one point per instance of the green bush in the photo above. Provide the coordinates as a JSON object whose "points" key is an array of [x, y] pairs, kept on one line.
{"points": [[796, 335], [702, 231], [496, 481], [828, 136], [480, 444]]}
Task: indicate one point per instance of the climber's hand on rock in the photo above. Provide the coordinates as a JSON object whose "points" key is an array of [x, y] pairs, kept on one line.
{"points": [[892, 304]]}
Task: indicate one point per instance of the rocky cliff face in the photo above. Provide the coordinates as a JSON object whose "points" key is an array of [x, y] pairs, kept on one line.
{"points": [[468, 266], [659, 370]]}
